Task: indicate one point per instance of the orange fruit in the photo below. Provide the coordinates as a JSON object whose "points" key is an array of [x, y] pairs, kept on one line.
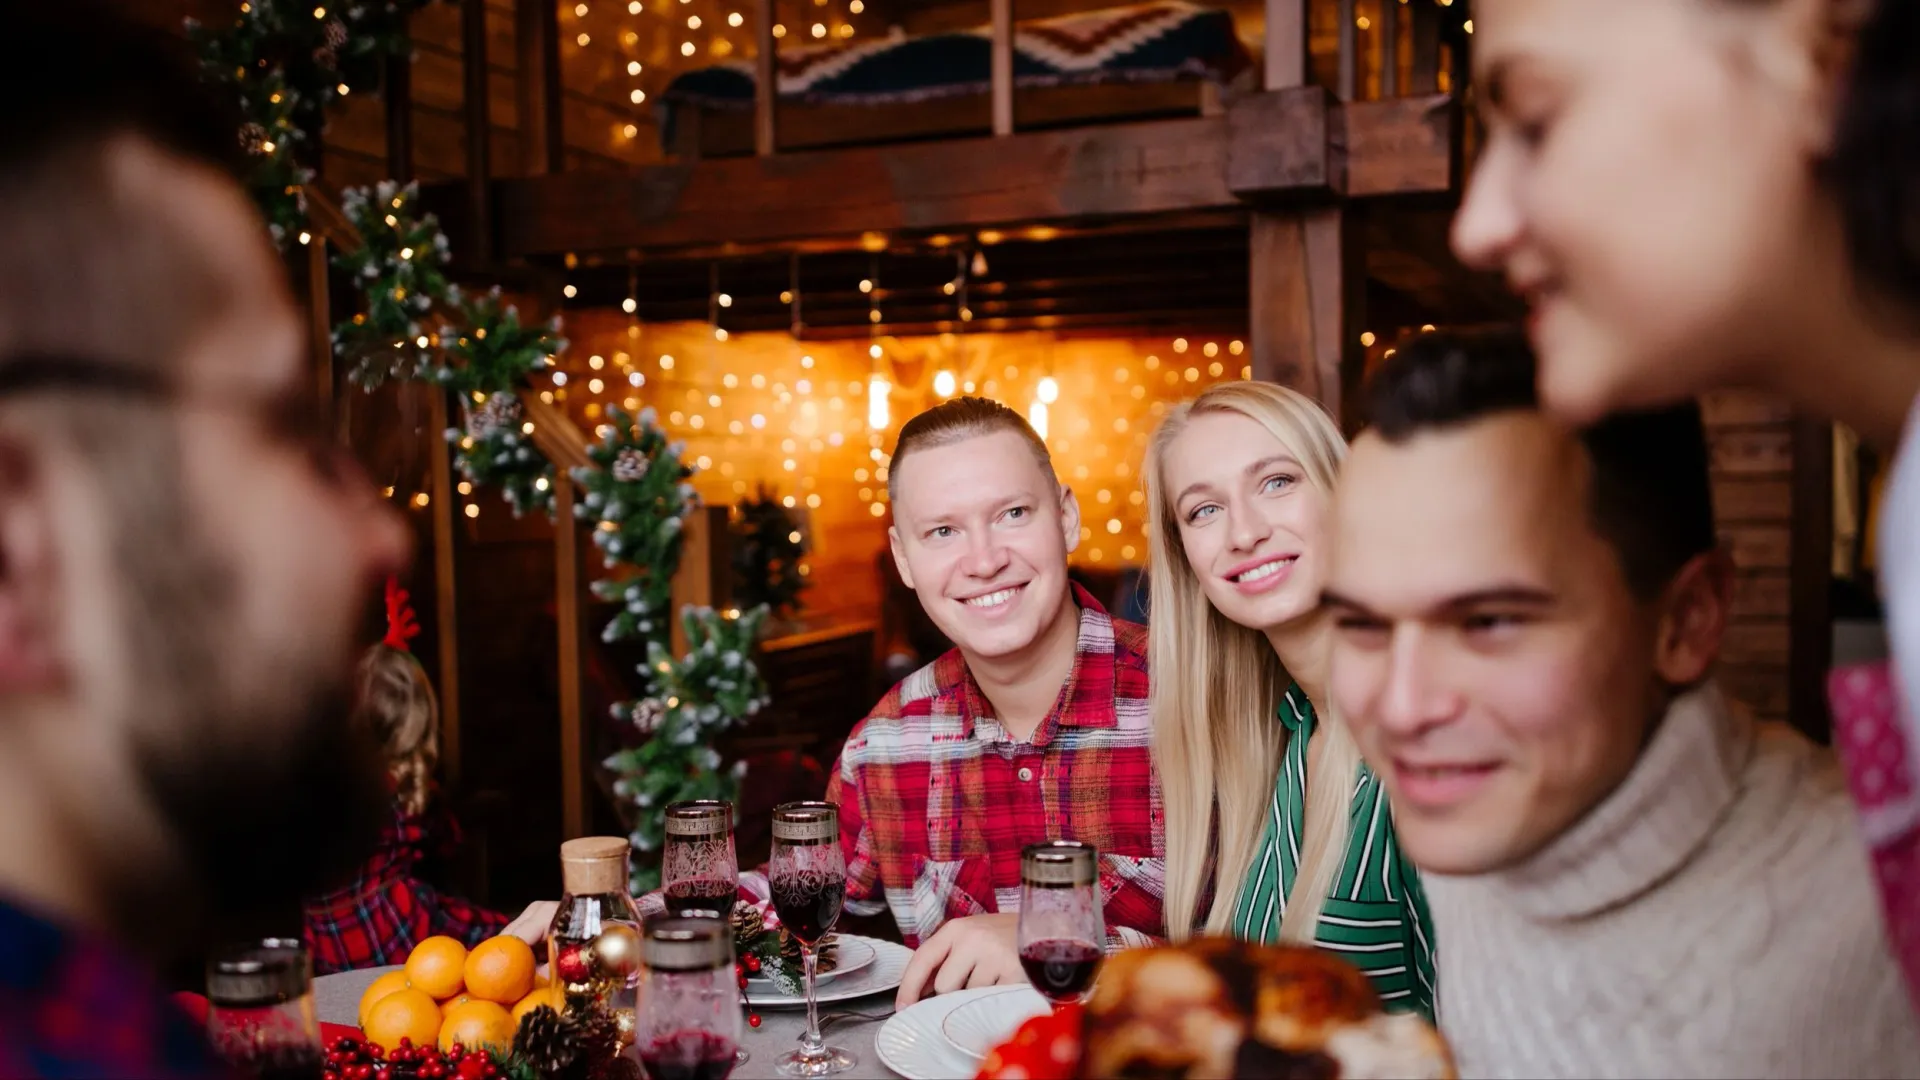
{"points": [[379, 988], [435, 966], [500, 970], [403, 1014], [477, 1024], [446, 1006], [549, 996]]}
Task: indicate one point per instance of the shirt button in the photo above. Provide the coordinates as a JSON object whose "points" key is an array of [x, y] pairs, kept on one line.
{"points": [[1026, 774]]}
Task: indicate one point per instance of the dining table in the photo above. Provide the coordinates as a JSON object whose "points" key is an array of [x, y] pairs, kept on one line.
{"points": [[850, 1025]]}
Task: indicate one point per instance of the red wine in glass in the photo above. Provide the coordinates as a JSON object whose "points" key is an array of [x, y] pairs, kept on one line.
{"points": [[688, 1055], [1060, 968], [809, 909], [701, 894]]}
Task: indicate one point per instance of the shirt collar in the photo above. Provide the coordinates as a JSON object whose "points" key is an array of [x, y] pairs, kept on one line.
{"points": [[1087, 698]]}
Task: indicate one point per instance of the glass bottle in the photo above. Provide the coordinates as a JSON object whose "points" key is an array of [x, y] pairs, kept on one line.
{"points": [[260, 1015], [594, 946]]}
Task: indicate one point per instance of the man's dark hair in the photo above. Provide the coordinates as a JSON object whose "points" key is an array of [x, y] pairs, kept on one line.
{"points": [[1650, 498]]}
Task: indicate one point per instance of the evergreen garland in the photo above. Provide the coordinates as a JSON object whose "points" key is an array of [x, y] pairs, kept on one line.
{"points": [[486, 363], [693, 700], [400, 269], [766, 554], [637, 495]]}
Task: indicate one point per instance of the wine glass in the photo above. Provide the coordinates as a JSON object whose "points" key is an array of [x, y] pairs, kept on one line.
{"points": [[688, 1026], [700, 869], [808, 875], [1061, 928]]}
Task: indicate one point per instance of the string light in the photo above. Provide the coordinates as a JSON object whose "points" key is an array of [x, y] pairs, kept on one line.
{"points": [[583, 40], [569, 292], [1048, 390], [1037, 417], [943, 383], [734, 19], [634, 68], [878, 390]]}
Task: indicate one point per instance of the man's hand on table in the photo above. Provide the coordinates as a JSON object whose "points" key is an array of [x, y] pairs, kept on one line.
{"points": [[981, 950]]}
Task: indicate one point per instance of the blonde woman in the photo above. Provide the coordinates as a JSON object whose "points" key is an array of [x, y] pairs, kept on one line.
{"points": [[1276, 830]]}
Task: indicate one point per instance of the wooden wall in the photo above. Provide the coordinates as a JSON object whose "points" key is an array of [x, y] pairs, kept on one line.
{"points": [[1751, 441]]}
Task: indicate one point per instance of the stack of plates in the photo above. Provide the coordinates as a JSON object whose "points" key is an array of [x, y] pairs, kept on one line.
{"points": [[866, 966]]}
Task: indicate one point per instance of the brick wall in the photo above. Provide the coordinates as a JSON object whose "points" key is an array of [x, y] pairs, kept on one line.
{"points": [[1751, 442]]}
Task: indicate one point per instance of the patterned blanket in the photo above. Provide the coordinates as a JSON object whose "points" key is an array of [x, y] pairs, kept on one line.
{"points": [[1155, 42]]}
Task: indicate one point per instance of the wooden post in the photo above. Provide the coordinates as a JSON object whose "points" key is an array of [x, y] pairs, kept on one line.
{"points": [[574, 809], [705, 578], [1307, 292], [1001, 79], [473, 34], [537, 40], [1810, 562], [445, 612], [1286, 44], [1389, 48], [320, 330], [398, 77], [766, 78], [1426, 48], [1349, 51]]}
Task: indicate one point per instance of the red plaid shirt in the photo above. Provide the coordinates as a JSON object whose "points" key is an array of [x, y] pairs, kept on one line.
{"points": [[936, 799], [387, 910], [73, 1006]]}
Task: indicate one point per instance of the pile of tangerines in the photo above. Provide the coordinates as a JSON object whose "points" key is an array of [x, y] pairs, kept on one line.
{"points": [[448, 996]]}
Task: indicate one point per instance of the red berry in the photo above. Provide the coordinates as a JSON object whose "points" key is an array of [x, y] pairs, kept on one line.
{"points": [[753, 1020], [329, 1074], [456, 1052], [474, 1068], [376, 1051]]}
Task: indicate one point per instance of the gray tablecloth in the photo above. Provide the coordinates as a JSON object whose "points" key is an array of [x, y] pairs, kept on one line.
{"points": [[337, 999]]}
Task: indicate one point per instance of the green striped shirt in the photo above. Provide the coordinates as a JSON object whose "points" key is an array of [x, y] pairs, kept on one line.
{"points": [[1376, 914]]}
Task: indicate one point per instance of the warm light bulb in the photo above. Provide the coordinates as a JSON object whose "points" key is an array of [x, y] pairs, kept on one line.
{"points": [[634, 68], [634, 8], [1047, 390], [819, 30], [583, 40], [1037, 417], [779, 31], [637, 379], [1367, 338], [473, 510], [570, 292], [686, 48], [1468, 27], [1179, 344], [580, 10], [726, 300], [306, 237], [693, 22], [559, 378], [629, 131], [342, 89], [629, 305], [878, 390], [734, 18], [875, 350], [944, 383], [1363, 22], [637, 96]]}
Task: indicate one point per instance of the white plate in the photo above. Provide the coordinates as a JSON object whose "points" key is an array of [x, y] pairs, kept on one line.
{"points": [[851, 953], [884, 973], [974, 1028], [912, 1044]]}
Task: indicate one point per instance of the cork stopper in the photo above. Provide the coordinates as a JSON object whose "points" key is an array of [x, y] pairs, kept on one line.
{"points": [[591, 865]]}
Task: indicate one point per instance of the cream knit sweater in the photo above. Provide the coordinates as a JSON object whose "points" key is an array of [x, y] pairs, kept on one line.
{"points": [[1714, 917]]}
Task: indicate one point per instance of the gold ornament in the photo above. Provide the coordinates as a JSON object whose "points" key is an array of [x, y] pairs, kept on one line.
{"points": [[617, 950], [624, 1022]]}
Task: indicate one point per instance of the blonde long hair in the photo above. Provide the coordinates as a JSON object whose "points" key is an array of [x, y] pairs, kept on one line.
{"points": [[1216, 685]]}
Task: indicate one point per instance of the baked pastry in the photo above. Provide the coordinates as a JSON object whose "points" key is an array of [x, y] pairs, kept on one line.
{"points": [[1222, 1008]]}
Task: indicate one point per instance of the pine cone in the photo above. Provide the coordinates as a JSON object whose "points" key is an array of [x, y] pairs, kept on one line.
{"points": [[549, 1041], [597, 1036], [748, 924]]}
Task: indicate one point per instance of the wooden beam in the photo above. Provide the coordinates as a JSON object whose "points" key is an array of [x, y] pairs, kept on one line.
{"points": [[575, 812], [766, 78], [473, 33], [1426, 47], [543, 146], [446, 614], [705, 577], [1286, 44], [1000, 78], [1305, 306], [1116, 171], [1810, 644]]}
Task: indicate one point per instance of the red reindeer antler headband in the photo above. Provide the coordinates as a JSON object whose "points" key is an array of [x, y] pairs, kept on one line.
{"points": [[402, 627]]}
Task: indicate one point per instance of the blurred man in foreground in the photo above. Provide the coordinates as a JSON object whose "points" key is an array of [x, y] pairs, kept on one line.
{"points": [[183, 559]]}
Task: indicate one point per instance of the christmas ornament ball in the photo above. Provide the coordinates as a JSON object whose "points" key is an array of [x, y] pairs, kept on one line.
{"points": [[617, 950], [573, 964]]}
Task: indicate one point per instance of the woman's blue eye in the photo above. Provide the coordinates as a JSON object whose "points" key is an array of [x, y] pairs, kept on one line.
{"points": [[1199, 511], [1276, 483]]}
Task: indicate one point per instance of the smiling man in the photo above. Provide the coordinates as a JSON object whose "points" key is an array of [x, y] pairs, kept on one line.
{"points": [[1033, 727], [1628, 876]]}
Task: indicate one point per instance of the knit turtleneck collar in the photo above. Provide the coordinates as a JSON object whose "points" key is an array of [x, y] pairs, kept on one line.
{"points": [[1676, 795]]}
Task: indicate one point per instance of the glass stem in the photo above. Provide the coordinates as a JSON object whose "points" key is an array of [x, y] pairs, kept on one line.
{"points": [[812, 1044]]}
